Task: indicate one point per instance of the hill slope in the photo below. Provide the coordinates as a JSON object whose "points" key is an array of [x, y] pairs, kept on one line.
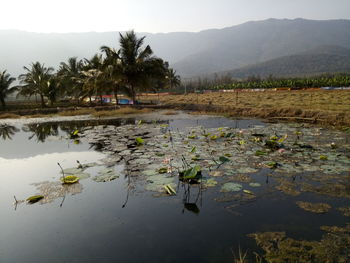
{"points": [[324, 59]]}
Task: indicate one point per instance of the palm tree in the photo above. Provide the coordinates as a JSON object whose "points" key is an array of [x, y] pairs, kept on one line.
{"points": [[5, 83], [36, 81], [112, 69], [173, 79], [69, 74], [137, 63], [91, 76]]}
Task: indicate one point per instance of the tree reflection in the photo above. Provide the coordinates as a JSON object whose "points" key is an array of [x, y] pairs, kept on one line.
{"points": [[7, 131], [41, 131]]}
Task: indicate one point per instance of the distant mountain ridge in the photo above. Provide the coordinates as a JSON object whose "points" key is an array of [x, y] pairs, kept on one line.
{"points": [[191, 54], [320, 60]]}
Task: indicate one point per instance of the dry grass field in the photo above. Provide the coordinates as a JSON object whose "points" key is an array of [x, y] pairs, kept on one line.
{"points": [[329, 107]]}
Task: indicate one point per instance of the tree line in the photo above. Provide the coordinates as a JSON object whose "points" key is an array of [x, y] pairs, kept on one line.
{"points": [[255, 82], [130, 69]]}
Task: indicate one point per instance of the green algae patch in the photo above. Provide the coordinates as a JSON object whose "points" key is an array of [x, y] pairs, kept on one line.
{"points": [[280, 249], [344, 210], [34, 199], [287, 187], [336, 229], [319, 208]]}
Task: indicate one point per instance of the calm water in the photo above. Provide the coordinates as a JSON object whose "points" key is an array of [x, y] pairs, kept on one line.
{"points": [[92, 225]]}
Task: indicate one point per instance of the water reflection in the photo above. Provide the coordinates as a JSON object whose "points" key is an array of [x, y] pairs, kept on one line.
{"points": [[7, 131], [41, 131]]}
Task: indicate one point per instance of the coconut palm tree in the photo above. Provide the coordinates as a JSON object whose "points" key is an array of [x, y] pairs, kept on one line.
{"points": [[173, 79], [137, 63], [91, 76], [5, 83], [36, 81], [112, 69], [69, 74]]}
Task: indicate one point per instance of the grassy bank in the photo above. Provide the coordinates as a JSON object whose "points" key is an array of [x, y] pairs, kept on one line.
{"points": [[326, 107]]}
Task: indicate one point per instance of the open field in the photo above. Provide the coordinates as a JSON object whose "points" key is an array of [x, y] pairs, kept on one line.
{"points": [[329, 107]]}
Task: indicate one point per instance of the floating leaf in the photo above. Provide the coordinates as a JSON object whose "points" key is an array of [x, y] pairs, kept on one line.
{"points": [[70, 179], [139, 141], [163, 170], [242, 142], [191, 173], [193, 150], [323, 158], [34, 199], [248, 192], [192, 136], [206, 134], [254, 184], [213, 137], [260, 153], [271, 164], [231, 187], [229, 134], [228, 155], [168, 188], [210, 183], [223, 159], [222, 134]]}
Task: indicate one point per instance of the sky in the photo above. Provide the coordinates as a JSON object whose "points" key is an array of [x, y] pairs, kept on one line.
{"points": [[157, 15]]}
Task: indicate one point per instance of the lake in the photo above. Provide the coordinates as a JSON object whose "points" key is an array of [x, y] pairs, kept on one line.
{"points": [[262, 188]]}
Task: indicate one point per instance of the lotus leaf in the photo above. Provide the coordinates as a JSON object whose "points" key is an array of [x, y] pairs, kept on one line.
{"points": [[191, 173]]}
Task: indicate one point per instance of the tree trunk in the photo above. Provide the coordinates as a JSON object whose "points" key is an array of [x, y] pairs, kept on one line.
{"points": [[3, 104], [90, 99], [115, 90], [133, 94], [42, 100]]}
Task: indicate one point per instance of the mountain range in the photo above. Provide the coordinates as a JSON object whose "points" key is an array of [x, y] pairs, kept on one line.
{"points": [[274, 46]]}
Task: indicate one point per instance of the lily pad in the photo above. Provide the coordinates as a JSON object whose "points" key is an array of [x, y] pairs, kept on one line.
{"points": [[105, 178], [70, 179], [231, 187]]}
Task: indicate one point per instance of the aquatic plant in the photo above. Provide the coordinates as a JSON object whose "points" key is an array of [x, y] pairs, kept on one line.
{"points": [[318, 208], [139, 141], [70, 179], [35, 198]]}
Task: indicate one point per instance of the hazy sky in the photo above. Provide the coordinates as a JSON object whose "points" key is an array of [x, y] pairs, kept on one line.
{"points": [[157, 15]]}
